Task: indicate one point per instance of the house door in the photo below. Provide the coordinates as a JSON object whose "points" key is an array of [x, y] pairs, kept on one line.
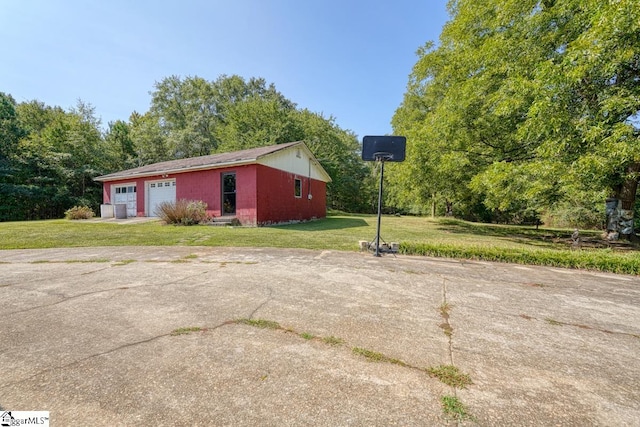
{"points": [[228, 194]]}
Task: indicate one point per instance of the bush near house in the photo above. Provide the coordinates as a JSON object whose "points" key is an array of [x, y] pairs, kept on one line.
{"points": [[183, 212], [79, 212]]}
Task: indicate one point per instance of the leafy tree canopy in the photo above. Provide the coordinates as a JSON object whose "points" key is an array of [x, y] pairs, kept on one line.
{"points": [[523, 105]]}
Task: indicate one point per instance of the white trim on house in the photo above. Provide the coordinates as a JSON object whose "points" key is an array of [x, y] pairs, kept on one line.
{"points": [[297, 160]]}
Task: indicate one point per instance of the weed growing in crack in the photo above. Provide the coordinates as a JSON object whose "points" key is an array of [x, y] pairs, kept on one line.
{"points": [[331, 340], [552, 322], [377, 357], [450, 375], [447, 329], [455, 409], [186, 331], [307, 336], [260, 323], [123, 262], [444, 308]]}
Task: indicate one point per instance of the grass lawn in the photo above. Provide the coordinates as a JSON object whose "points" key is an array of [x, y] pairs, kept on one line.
{"points": [[421, 236]]}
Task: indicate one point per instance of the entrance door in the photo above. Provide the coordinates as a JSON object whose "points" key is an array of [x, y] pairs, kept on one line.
{"points": [[228, 194]]}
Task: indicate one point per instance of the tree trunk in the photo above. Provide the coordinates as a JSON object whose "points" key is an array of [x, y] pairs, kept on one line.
{"points": [[626, 193], [433, 205]]}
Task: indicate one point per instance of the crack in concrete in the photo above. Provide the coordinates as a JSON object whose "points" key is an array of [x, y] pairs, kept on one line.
{"points": [[104, 353], [576, 325], [263, 303], [66, 299], [528, 317], [47, 279], [448, 331], [446, 325]]}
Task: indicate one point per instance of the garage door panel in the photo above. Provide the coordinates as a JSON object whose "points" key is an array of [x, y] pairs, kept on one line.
{"points": [[160, 192], [126, 195]]}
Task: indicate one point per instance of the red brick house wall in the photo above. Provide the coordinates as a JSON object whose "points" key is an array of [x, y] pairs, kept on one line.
{"points": [[264, 195], [276, 199]]}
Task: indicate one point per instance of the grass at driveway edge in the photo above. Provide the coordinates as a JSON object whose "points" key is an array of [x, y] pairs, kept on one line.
{"points": [[599, 259], [417, 236]]}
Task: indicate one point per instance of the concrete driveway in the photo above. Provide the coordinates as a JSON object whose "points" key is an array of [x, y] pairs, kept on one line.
{"points": [[277, 337]]}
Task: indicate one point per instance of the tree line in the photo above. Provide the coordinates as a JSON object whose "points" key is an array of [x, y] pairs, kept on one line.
{"points": [[526, 109], [49, 156]]}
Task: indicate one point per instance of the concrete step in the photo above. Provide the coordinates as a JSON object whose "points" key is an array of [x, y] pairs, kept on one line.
{"points": [[222, 220]]}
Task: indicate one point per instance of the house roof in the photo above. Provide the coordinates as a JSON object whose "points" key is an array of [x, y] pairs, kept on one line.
{"points": [[212, 161]]}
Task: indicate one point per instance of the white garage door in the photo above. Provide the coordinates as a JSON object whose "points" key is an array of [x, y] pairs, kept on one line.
{"points": [[159, 192], [126, 194]]}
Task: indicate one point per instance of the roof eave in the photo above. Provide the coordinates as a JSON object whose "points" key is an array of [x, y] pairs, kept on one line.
{"points": [[106, 178]]}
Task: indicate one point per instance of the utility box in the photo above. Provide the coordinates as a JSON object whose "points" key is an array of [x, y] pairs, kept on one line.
{"points": [[120, 210], [106, 211]]}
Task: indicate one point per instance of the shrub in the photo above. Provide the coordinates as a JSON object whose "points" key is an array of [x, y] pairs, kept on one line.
{"points": [[79, 212], [183, 212]]}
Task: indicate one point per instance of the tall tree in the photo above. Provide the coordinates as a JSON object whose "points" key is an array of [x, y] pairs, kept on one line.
{"points": [[57, 160], [187, 110], [529, 102], [10, 134], [337, 151], [192, 116], [149, 139], [119, 148]]}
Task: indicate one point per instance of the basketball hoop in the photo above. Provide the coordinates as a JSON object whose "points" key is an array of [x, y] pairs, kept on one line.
{"points": [[383, 156], [382, 149]]}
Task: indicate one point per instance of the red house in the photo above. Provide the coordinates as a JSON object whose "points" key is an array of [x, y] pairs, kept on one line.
{"points": [[261, 186]]}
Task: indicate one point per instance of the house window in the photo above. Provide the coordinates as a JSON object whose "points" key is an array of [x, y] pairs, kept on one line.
{"points": [[125, 190], [298, 188]]}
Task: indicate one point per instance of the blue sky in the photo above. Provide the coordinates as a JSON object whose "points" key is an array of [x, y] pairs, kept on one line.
{"points": [[344, 58]]}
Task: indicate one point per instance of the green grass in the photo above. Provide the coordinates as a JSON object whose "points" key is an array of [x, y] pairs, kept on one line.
{"points": [[124, 262], [260, 323], [455, 409], [374, 356], [441, 237], [333, 340], [450, 375]]}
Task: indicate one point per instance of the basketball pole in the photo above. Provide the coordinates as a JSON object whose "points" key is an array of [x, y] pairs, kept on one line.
{"points": [[379, 205]]}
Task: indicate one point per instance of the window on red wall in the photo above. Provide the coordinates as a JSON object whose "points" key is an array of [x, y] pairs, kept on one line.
{"points": [[297, 191]]}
